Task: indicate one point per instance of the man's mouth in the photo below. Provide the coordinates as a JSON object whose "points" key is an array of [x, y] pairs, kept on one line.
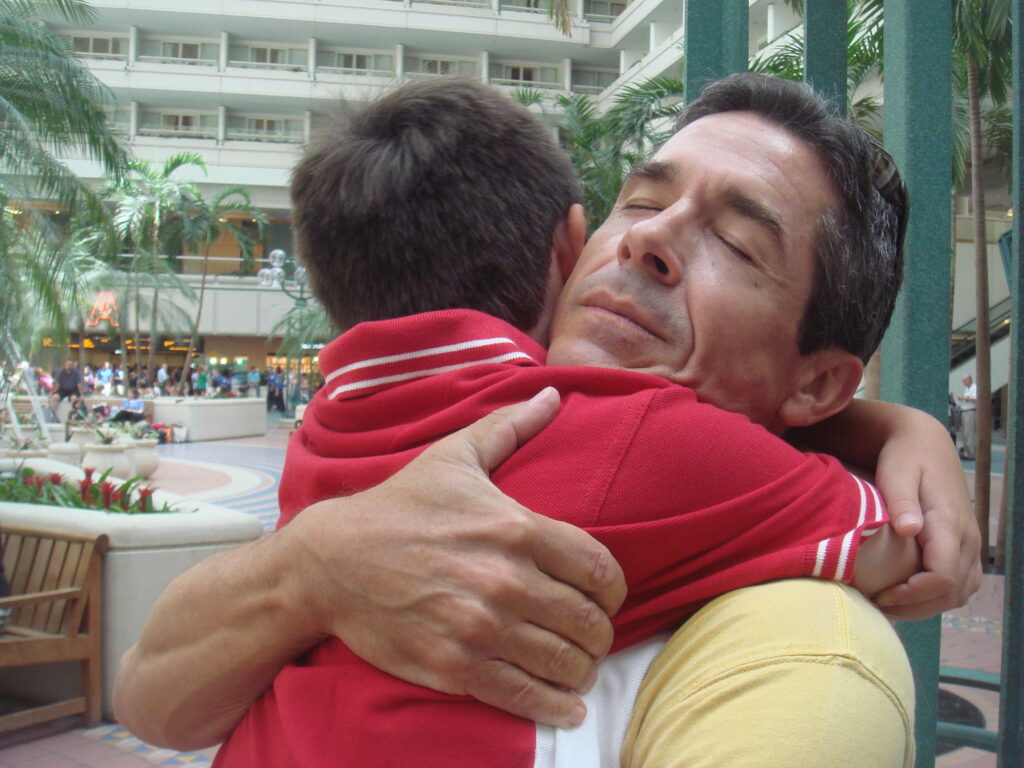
{"points": [[624, 311]]}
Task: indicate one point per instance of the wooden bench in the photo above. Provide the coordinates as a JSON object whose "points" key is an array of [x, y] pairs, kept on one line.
{"points": [[55, 602]]}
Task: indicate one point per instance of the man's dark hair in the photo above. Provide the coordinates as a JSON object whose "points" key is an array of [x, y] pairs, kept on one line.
{"points": [[859, 264], [441, 194]]}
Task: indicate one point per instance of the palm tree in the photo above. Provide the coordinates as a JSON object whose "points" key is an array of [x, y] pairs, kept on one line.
{"points": [[153, 209], [50, 104], [982, 51], [205, 223], [863, 59]]}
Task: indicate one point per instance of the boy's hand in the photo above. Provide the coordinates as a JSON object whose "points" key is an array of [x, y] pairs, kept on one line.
{"points": [[923, 483]]}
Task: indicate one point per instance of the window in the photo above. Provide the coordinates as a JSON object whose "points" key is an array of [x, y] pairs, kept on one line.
{"points": [[180, 122], [522, 74], [602, 10], [100, 47], [438, 66], [355, 62], [268, 55], [180, 50]]}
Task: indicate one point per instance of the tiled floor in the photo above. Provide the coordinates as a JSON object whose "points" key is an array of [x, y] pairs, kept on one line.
{"points": [[243, 474]]}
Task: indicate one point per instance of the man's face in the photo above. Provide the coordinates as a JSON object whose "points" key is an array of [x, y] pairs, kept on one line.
{"points": [[702, 272]]}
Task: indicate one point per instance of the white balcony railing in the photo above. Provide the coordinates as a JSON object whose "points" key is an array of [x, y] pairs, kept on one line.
{"points": [[279, 138], [357, 71], [268, 65], [179, 60], [526, 84], [179, 133]]}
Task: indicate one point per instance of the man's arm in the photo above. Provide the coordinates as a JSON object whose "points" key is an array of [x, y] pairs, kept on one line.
{"points": [[919, 474], [433, 576]]}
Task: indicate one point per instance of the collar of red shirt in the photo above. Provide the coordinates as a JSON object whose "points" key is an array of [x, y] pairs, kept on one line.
{"points": [[374, 355]]}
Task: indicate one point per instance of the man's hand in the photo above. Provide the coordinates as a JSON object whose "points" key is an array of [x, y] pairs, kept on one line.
{"points": [[438, 578], [920, 476], [434, 576]]}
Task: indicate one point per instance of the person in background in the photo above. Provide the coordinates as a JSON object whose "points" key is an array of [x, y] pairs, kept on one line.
{"points": [[201, 379], [275, 390], [252, 381], [968, 418], [105, 378], [132, 408]]}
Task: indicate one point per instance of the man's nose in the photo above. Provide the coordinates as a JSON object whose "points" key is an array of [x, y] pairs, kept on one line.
{"points": [[652, 246]]}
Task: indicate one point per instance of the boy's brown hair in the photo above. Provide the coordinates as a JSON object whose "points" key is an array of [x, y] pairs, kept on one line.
{"points": [[441, 194]]}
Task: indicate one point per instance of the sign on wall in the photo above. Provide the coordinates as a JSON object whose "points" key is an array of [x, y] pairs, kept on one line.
{"points": [[104, 308]]}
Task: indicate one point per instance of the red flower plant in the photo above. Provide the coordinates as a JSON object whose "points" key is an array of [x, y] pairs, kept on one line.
{"points": [[107, 489], [84, 486], [38, 482], [88, 473], [56, 478], [144, 494]]}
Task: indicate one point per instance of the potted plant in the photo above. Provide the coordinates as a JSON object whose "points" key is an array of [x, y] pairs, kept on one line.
{"points": [[144, 439], [108, 453], [30, 445]]}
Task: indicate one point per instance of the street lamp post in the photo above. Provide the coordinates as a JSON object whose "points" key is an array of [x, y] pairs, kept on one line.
{"points": [[295, 286]]}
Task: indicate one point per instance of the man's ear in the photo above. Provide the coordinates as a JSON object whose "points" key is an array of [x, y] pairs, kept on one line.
{"points": [[570, 235], [826, 382]]}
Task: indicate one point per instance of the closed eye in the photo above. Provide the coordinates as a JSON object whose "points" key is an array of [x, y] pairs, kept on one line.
{"points": [[641, 206], [736, 250]]}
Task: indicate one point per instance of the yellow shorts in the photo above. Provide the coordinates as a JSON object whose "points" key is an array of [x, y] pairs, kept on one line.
{"points": [[792, 674]]}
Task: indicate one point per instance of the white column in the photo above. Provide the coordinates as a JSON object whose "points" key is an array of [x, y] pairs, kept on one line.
{"points": [[222, 124], [770, 23], [623, 61], [496, 6], [307, 125], [133, 45], [567, 74], [485, 66], [399, 61], [133, 120], [222, 54], [581, 9], [311, 63]]}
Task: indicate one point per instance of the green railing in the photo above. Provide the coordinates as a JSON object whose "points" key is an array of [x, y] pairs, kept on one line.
{"points": [[915, 367]]}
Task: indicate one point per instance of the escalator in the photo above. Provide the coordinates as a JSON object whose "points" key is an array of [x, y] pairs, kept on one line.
{"points": [[962, 340]]}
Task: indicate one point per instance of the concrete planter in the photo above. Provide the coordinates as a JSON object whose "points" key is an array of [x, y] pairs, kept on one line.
{"points": [[146, 457], [114, 457], [82, 436], [212, 419], [10, 453], [66, 453], [146, 553]]}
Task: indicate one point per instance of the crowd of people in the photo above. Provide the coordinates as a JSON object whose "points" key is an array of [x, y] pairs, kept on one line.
{"points": [[135, 383]]}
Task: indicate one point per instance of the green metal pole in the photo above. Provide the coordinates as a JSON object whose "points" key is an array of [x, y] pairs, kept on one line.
{"points": [[825, 48], [915, 352], [1011, 708], [716, 41]]}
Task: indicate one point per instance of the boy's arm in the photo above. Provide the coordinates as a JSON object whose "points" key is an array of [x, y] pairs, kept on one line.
{"points": [[919, 474], [433, 576]]}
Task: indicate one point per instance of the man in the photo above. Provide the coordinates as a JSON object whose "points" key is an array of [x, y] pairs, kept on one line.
{"points": [[252, 382], [628, 320], [105, 377], [968, 418], [68, 383]]}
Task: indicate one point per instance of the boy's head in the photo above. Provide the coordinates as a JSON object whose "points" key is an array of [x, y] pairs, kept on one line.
{"points": [[441, 194]]}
